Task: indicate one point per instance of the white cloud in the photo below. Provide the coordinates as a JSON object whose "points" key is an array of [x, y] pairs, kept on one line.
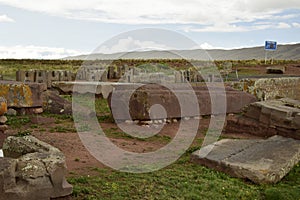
{"points": [[296, 25], [5, 18], [131, 44], [234, 28], [201, 12], [36, 52], [283, 25]]}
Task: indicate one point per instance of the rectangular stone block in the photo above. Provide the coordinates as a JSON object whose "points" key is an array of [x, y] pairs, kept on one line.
{"points": [[41, 76], [51, 77], [22, 95], [261, 161], [265, 115], [253, 111], [296, 121]]}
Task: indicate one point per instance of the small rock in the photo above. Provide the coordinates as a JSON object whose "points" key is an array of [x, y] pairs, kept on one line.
{"points": [[11, 112], [128, 121], [3, 106], [3, 119], [197, 117], [3, 128], [37, 110]]}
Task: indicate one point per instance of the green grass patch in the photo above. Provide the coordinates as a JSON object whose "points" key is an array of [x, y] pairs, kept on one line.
{"points": [[62, 129], [17, 121]]}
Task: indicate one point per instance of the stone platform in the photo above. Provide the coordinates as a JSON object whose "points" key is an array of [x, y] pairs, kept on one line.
{"points": [[177, 100], [268, 118], [261, 161], [142, 97]]}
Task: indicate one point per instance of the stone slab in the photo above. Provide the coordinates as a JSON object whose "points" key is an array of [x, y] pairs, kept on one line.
{"points": [[22, 95], [226, 100], [263, 161]]}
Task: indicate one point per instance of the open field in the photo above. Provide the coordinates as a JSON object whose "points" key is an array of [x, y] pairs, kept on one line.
{"points": [[245, 68], [180, 180]]}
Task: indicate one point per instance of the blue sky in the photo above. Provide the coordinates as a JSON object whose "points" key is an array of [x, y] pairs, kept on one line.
{"points": [[55, 29]]}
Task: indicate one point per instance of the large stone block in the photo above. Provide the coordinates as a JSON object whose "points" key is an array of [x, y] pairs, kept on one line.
{"points": [[261, 161], [22, 95], [32, 169], [276, 117], [144, 97]]}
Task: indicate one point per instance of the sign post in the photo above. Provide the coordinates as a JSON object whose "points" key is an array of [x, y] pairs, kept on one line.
{"points": [[270, 46]]}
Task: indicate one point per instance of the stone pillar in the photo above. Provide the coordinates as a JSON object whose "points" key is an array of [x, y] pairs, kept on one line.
{"points": [[29, 76], [40, 76], [52, 76], [20, 75]]}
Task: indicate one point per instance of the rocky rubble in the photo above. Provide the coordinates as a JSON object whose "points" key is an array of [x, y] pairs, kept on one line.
{"points": [[32, 169], [268, 118]]}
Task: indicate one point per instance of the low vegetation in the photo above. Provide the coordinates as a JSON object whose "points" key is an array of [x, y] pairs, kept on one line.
{"points": [[8, 67], [180, 180]]}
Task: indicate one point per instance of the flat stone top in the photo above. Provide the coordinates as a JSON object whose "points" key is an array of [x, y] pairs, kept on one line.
{"points": [[20, 83], [261, 160]]}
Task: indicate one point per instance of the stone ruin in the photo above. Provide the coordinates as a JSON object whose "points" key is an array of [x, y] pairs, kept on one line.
{"points": [[3, 119], [32, 169], [270, 88], [268, 118], [33, 98], [263, 161], [145, 96], [44, 76]]}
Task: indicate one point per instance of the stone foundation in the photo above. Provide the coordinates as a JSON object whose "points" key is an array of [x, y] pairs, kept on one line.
{"points": [[267, 118], [146, 96]]}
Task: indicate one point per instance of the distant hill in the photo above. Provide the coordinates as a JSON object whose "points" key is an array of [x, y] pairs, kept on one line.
{"points": [[283, 52]]}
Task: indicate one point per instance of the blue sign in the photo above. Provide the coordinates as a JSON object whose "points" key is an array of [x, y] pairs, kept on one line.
{"points": [[271, 45]]}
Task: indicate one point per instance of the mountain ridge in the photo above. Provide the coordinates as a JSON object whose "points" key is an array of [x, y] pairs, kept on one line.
{"points": [[283, 52]]}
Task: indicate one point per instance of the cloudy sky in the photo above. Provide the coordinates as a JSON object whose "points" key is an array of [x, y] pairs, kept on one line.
{"points": [[59, 28]]}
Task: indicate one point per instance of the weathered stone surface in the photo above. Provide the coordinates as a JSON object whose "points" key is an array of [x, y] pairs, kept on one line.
{"points": [[22, 95], [273, 117], [34, 170], [261, 161], [11, 112], [271, 88], [144, 97], [3, 120], [3, 106], [53, 103], [43, 76]]}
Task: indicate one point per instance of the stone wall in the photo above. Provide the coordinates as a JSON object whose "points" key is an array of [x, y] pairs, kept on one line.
{"points": [[271, 88], [43, 76], [268, 118]]}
